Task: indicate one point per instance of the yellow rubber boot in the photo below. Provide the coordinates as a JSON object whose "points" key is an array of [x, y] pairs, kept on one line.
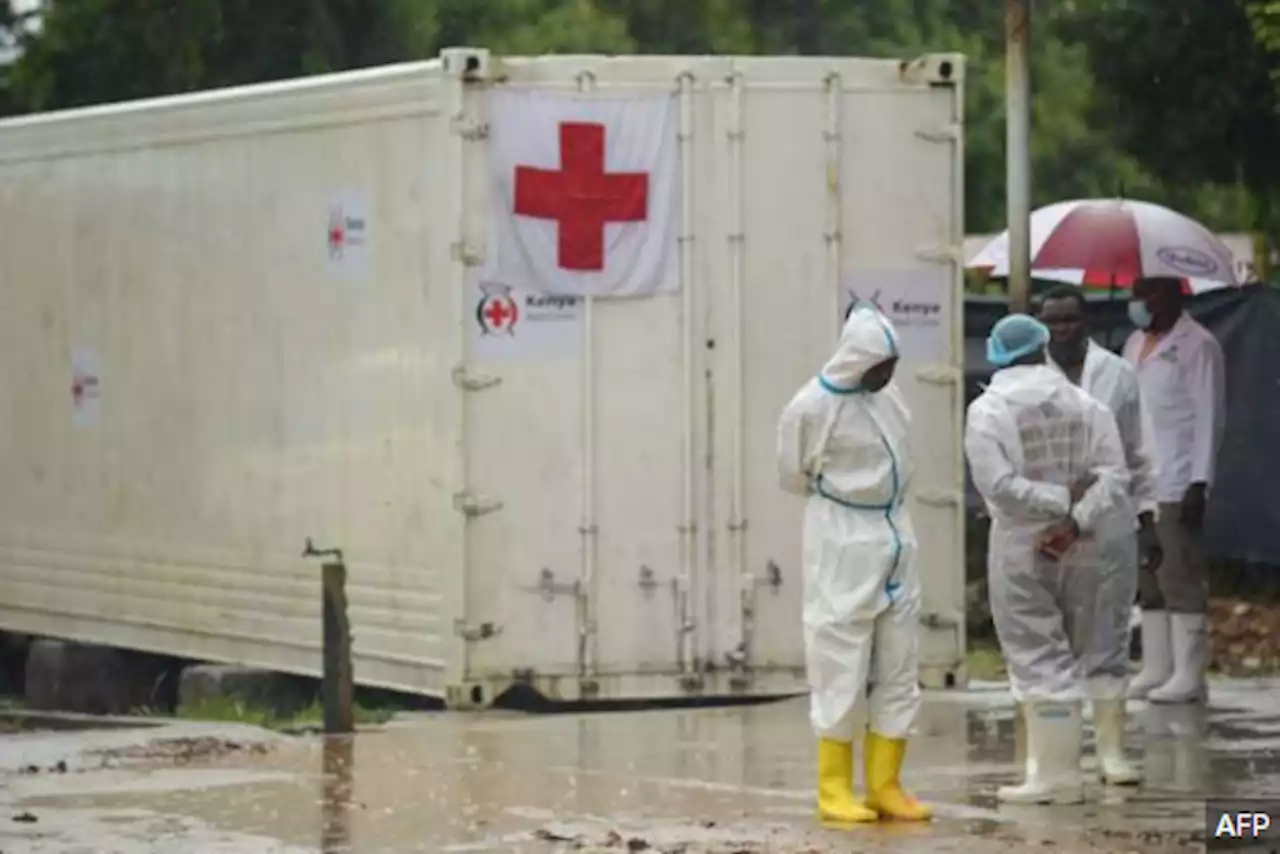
{"points": [[885, 794], [835, 784]]}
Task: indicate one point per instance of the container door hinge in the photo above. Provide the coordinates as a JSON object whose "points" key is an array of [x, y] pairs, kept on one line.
{"points": [[471, 505], [469, 380], [936, 620], [940, 498], [942, 375], [772, 577], [466, 254], [469, 130], [549, 588], [947, 254], [478, 632], [940, 133]]}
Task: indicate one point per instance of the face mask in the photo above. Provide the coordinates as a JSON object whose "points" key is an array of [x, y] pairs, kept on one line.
{"points": [[1139, 314]]}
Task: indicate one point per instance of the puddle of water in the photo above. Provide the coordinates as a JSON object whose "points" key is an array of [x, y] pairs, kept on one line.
{"points": [[704, 780]]}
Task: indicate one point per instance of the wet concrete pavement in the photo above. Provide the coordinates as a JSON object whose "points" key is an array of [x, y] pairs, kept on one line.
{"points": [[721, 780]]}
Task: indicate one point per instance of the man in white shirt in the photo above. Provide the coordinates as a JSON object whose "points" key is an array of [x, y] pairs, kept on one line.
{"points": [[1103, 643], [1183, 378]]}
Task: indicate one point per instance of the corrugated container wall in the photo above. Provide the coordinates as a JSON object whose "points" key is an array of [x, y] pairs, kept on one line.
{"points": [[239, 319]]}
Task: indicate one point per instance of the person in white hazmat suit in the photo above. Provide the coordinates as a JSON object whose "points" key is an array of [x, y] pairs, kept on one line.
{"points": [[843, 445], [1122, 540], [1048, 461]]}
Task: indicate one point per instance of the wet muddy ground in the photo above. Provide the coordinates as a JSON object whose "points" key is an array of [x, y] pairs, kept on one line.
{"points": [[721, 781]]}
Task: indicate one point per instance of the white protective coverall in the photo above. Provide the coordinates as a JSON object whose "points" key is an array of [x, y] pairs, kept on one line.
{"points": [[1104, 653], [847, 451], [1030, 435]]}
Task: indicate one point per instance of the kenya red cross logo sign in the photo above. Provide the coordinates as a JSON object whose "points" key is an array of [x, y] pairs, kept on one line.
{"points": [[337, 232], [497, 314], [585, 192]]}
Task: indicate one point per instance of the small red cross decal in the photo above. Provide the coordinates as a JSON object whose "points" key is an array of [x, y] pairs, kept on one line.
{"points": [[498, 313], [581, 197], [336, 236], [80, 387]]}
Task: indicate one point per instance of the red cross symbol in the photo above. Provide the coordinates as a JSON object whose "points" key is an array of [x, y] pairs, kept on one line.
{"points": [[80, 387], [497, 314], [581, 197], [336, 236]]}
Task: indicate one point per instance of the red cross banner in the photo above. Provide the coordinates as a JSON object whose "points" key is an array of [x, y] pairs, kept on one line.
{"points": [[585, 193]]}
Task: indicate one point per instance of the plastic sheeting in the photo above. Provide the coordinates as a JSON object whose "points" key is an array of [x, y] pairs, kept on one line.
{"points": [[1243, 520]]}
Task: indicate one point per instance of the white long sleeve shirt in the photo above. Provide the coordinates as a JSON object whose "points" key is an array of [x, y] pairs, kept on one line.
{"points": [[1183, 380], [1113, 382]]}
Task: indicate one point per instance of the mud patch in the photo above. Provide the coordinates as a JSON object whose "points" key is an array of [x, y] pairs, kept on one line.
{"points": [[705, 837], [952, 837], [1150, 840], [132, 832], [181, 751]]}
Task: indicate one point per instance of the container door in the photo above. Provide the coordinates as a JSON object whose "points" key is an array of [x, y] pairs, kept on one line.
{"points": [[905, 244], [580, 458], [867, 173], [523, 473], [641, 429]]}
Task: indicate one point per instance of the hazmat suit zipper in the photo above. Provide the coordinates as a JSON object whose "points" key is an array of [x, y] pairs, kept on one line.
{"points": [[891, 584]]}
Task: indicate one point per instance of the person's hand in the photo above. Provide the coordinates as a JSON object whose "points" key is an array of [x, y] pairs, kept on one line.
{"points": [[1150, 552], [1081, 486], [1056, 541], [1193, 504]]}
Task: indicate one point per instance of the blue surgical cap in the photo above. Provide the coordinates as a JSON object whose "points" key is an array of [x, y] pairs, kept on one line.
{"points": [[1013, 337]]}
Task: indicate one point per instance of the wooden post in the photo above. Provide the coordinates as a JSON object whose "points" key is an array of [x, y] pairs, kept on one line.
{"points": [[337, 687]]}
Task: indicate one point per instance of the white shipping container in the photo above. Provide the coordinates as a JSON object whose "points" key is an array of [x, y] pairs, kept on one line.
{"points": [[239, 319]]}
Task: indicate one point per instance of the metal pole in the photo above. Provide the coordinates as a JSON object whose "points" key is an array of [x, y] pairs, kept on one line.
{"points": [[1017, 29]]}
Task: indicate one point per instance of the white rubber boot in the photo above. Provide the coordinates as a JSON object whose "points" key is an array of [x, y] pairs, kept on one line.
{"points": [[1190, 636], [1157, 655], [1108, 743], [1054, 734]]}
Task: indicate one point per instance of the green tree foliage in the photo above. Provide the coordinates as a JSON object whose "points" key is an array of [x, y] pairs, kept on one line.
{"points": [[92, 51], [1163, 100], [9, 41], [1264, 19], [1191, 91]]}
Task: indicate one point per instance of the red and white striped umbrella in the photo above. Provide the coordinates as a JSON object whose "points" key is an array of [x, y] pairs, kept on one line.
{"points": [[1106, 243]]}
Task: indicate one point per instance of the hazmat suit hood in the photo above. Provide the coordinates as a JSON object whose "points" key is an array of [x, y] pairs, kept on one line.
{"points": [[866, 340]]}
